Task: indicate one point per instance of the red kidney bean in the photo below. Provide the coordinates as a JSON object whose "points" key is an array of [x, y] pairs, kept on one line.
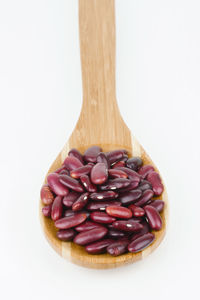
{"points": [[103, 195], [72, 163], [119, 247], [60, 169], [119, 212], [146, 196], [153, 217], [155, 180], [70, 198], [90, 236], [57, 209], [116, 234], [75, 153], [141, 242], [64, 172], [144, 230], [98, 247], [115, 173], [130, 187], [101, 217], [136, 210], [145, 170], [56, 186], [91, 154], [46, 195], [158, 204], [132, 175], [66, 234], [102, 158], [144, 185], [118, 164], [87, 225], [77, 173], [134, 163], [71, 221], [46, 210], [128, 225], [85, 180], [101, 205], [130, 197], [80, 202], [114, 184], [70, 212], [99, 173], [116, 155], [71, 183]]}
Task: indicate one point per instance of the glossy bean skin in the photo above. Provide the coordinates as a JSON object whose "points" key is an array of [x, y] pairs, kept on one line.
{"points": [[102, 158], [116, 234], [75, 153], [77, 173], [87, 225], [92, 235], [60, 169], [115, 173], [103, 195], [57, 208], [46, 195], [119, 212], [145, 170], [144, 185], [46, 210], [72, 163], [129, 197], [85, 180], [132, 175], [116, 155], [98, 247], [134, 163], [56, 186], [64, 172], [136, 210], [101, 205], [141, 242], [114, 184], [128, 226], [80, 202], [70, 198], [101, 217], [70, 212], [66, 234], [71, 183], [118, 164], [99, 173], [117, 248], [146, 196], [155, 180], [71, 221], [143, 231], [153, 217], [133, 185], [91, 154], [158, 204]]}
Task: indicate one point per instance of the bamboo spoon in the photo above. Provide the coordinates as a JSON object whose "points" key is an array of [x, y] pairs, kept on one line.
{"points": [[100, 122]]}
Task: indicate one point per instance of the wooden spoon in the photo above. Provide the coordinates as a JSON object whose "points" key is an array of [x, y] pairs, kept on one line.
{"points": [[100, 122]]}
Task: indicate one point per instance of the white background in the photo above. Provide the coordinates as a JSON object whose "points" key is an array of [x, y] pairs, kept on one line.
{"points": [[158, 91]]}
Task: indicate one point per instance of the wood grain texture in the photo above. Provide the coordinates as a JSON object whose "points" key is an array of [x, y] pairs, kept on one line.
{"points": [[100, 123]]}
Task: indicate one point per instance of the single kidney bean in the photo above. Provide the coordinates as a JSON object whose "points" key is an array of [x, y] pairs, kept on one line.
{"points": [[141, 242], [116, 155], [153, 217], [70, 212], [87, 225], [116, 234], [72, 163], [60, 169], [144, 185], [71, 221], [146, 196], [114, 184], [128, 225], [56, 186], [155, 180], [130, 187], [80, 202], [119, 247], [99, 173], [85, 180], [119, 212], [66, 234], [144, 230], [71, 183], [64, 172], [129, 197], [158, 204], [46, 195], [70, 198], [134, 163], [101, 217], [132, 175], [118, 164], [46, 210], [102, 158], [77, 173], [90, 236], [75, 153], [136, 210], [115, 173], [103, 195], [91, 154], [98, 247], [145, 170], [57, 209], [101, 205]]}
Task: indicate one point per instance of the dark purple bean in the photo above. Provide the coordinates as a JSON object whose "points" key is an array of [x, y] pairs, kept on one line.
{"points": [[46, 195], [71, 183], [158, 204], [101, 217], [144, 185], [130, 187], [75, 153], [114, 184], [99, 173], [119, 247], [155, 180], [116, 234], [77, 173], [66, 234], [145, 170], [85, 180], [70, 199], [132, 175], [136, 210], [72, 163], [102, 158], [116, 155], [70, 212], [134, 163], [60, 169], [91, 154], [146, 196], [90, 236], [118, 164], [58, 188], [119, 212], [57, 208], [103, 195], [153, 217], [130, 197], [115, 173], [87, 225], [144, 230], [128, 225], [101, 205], [71, 221], [64, 172], [98, 247], [141, 242], [46, 210], [80, 202]]}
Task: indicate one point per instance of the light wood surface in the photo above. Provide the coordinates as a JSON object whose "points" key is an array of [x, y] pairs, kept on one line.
{"points": [[100, 123]]}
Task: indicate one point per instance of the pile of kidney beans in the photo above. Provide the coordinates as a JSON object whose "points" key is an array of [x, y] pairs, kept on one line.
{"points": [[104, 201]]}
